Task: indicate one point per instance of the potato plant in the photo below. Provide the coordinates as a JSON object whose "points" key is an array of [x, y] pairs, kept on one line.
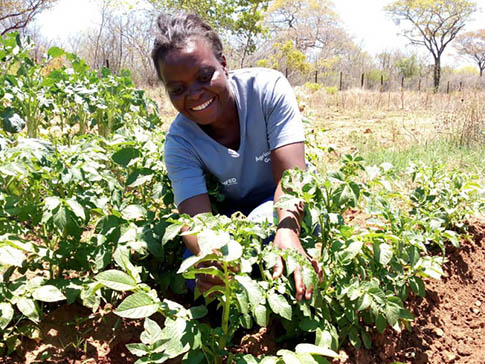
{"points": [[87, 216]]}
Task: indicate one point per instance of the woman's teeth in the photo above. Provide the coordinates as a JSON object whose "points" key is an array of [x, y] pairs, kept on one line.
{"points": [[202, 106]]}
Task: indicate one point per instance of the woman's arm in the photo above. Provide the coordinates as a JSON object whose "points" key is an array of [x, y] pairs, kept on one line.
{"points": [[289, 220]]}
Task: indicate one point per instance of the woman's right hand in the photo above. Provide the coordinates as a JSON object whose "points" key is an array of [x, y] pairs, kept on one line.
{"points": [[205, 282]]}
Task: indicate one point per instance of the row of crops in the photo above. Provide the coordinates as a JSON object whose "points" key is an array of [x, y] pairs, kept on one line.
{"points": [[87, 217]]}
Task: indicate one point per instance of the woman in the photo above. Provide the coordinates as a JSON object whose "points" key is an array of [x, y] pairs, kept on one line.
{"points": [[243, 127]]}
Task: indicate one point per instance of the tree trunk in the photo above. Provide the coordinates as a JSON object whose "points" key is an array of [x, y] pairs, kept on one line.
{"points": [[437, 73]]}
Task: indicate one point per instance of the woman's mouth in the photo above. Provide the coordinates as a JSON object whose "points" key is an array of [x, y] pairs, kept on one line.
{"points": [[202, 106]]}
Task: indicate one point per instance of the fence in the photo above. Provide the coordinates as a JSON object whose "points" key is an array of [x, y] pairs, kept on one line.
{"points": [[344, 81]]}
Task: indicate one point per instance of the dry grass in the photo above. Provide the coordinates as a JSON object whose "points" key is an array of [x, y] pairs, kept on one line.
{"points": [[394, 119]]}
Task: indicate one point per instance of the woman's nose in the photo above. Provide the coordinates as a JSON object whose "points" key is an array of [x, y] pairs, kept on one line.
{"points": [[195, 91]]}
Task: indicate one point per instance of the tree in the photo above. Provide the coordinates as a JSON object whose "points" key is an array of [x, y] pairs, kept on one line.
{"points": [[472, 45], [17, 14], [314, 30], [309, 23], [433, 24]]}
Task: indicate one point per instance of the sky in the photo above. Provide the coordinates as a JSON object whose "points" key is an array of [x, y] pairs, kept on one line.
{"points": [[366, 20]]}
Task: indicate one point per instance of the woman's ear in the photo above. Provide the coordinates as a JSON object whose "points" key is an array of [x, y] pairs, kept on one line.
{"points": [[224, 64]]}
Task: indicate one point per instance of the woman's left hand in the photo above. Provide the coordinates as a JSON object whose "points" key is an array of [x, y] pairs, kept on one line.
{"points": [[289, 239]]}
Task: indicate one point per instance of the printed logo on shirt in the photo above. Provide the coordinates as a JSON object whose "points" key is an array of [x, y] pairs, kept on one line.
{"points": [[230, 182], [264, 157]]}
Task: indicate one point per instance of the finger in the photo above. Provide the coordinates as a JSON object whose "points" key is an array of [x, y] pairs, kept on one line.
{"points": [[309, 293], [202, 285], [299, 286], [318, 270], [207, 280], [278, 268]]}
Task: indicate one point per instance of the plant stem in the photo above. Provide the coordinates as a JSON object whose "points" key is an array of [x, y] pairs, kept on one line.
{"points": [[226, 308]]}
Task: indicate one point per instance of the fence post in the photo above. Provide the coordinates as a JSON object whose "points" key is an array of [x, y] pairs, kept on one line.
{"points": [[107, 63], [362, 81], [340, 82], [286, 72], [419, 85], [316, 76], [382, 83], [448, 87]]}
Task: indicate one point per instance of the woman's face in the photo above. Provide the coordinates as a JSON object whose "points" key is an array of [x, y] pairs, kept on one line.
{"points": [[197, 83]]}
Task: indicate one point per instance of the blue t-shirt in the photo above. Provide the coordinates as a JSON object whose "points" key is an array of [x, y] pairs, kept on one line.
{"points": [[269, 118]]}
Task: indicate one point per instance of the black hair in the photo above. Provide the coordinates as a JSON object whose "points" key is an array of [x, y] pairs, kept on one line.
{"points": [[173, 32]]}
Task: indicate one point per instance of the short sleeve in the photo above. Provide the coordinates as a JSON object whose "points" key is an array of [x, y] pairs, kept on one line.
{"points": [[184, 170], [283, 118]]}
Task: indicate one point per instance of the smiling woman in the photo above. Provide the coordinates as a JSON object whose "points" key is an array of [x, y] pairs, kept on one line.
{"points": [[227, 121]]}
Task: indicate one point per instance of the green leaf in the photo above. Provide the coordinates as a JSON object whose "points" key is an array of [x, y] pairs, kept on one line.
{"points": [[138, 349], [354, 338], [50, 203], [11, 256], [178, 336], [139, 177], [137, 305], [122, 258], [381, 323], [280, 305], [126, 156], [48, 293], [351, 252], [417, 285], [289, 357], [209, 240], [152, 332], [60, 218], [313, 349], [189, 262], [308, 324], [364, 302], [254, 291], [133, 212], [392, 312], [247, 359], [193, 357], [366, 339], [383, 253], [171, 232], [405, 314], [55, 52], [76, 208], [28, 309], [155, 358], [323, 338], [117, 280], [261, 316], [198, 312], [11, 121], [6, 314], [231, 251]]}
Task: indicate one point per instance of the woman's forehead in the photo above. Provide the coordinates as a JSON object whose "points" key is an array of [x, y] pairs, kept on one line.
{"points": [[190, 58], [195, 49]]}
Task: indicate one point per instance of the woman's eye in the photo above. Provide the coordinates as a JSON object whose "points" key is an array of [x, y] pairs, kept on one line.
{"points": [[176, 91], [206, 77]]}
